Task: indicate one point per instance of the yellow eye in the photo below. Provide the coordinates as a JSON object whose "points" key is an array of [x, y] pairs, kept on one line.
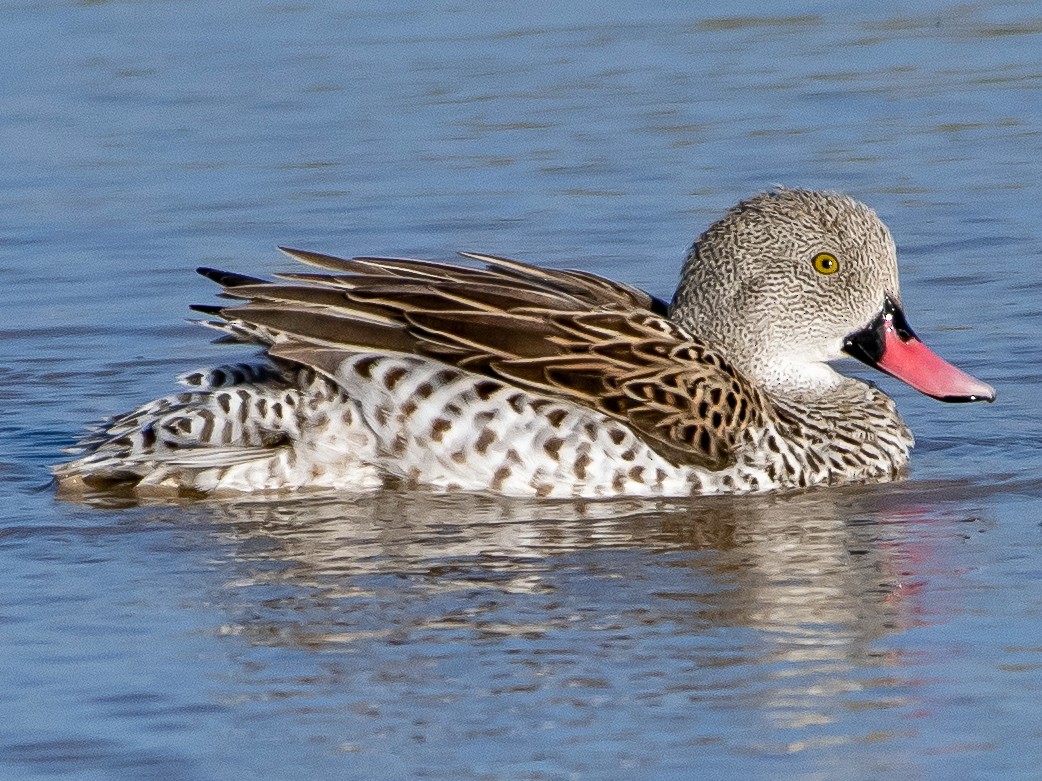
{"points": [[826, 263]]}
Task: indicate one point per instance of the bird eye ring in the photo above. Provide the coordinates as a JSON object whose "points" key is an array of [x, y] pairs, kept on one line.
{"points": [[826, 263]]}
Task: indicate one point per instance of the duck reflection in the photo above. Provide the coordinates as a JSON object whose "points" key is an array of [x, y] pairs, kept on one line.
{"points": [[828, 566], [782, 603]]}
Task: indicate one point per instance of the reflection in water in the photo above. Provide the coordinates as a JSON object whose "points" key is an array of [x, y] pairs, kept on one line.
{"points": [[776, 604]]}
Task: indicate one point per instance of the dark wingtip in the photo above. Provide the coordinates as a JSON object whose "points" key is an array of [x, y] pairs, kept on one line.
{"points": [[228, 278]]}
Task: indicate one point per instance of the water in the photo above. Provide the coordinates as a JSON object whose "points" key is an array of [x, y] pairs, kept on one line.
{"points": [[887, 632]]}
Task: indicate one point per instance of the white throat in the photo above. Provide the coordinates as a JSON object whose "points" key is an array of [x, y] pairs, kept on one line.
{"points": [[787, 376]]}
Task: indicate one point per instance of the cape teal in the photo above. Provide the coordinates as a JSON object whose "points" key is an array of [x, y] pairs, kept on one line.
{"points": [[504, 377]]}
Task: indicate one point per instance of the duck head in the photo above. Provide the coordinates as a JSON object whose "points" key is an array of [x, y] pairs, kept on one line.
{"points": [[792, 279]]}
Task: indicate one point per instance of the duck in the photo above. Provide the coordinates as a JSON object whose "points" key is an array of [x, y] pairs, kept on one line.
{"points": [[493, 375]]}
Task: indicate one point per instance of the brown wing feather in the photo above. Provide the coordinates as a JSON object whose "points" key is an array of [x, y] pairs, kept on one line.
{"points": [[565, 334]]}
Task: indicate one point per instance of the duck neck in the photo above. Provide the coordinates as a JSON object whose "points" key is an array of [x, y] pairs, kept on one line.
{"points": [[807, 380]]}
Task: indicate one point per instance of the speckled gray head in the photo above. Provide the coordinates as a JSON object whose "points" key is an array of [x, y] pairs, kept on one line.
{"points": [[791, 279]]}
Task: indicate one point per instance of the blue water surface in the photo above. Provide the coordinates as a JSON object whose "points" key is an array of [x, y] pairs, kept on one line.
{"points": [[884, 632]]}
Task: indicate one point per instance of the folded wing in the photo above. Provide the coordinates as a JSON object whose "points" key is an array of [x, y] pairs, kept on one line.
{"points": [[563, 334]]}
